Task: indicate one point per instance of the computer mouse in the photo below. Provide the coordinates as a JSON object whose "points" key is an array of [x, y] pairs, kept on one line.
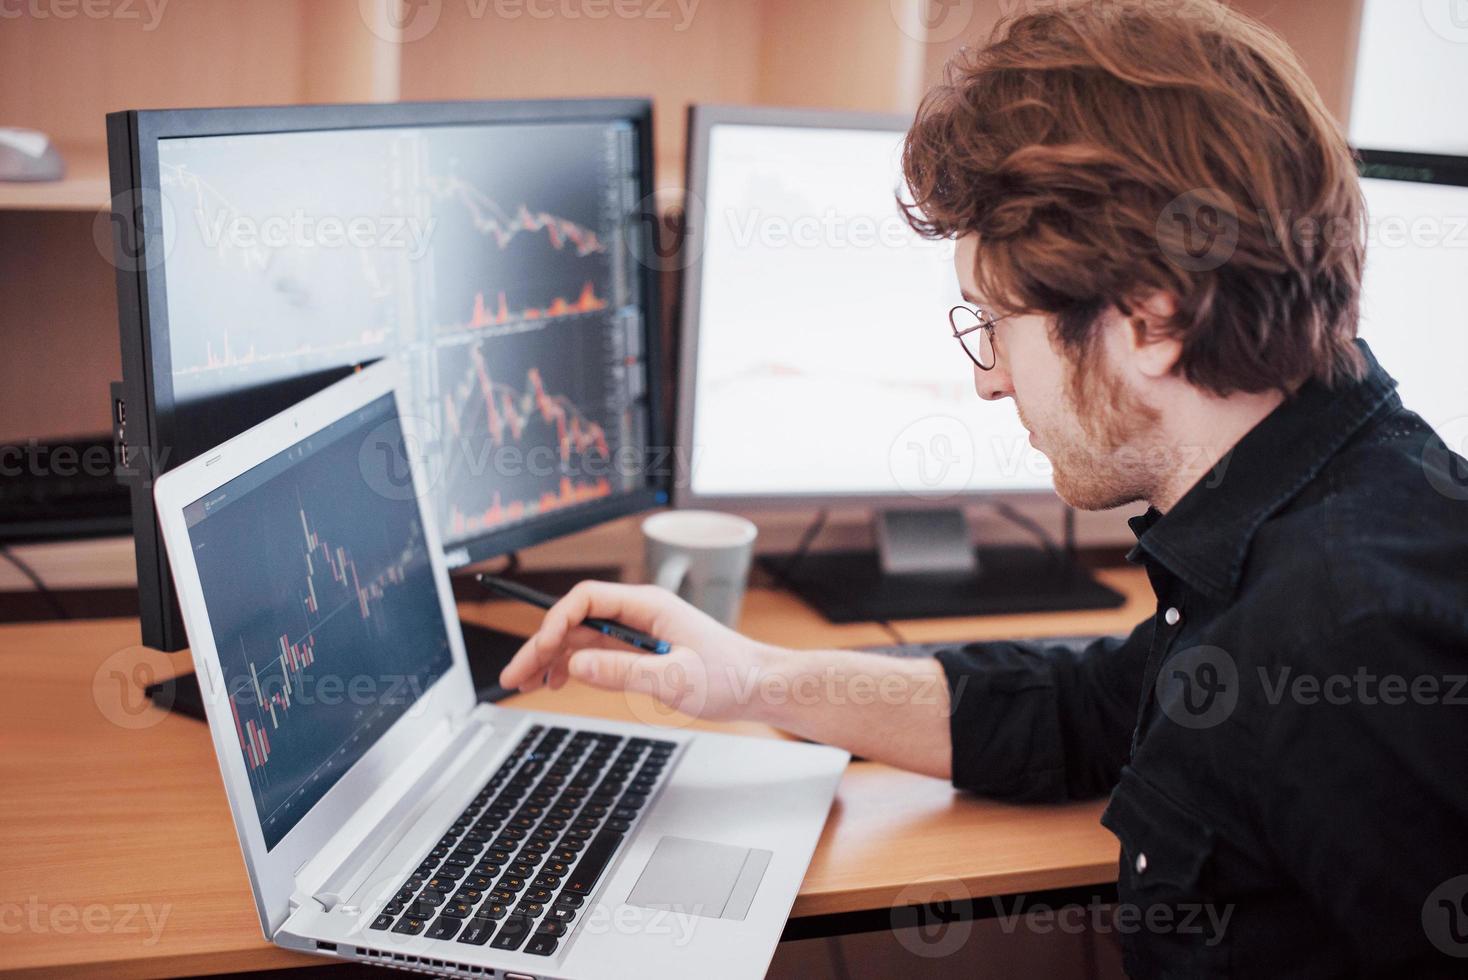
{"points": [[27, 154]]}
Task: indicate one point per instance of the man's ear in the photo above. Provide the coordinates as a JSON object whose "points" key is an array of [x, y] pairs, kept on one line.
{"points": [[1153, 346]]}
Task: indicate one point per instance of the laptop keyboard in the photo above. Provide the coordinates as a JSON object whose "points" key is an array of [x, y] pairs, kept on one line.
{"points": [[516, 868]]}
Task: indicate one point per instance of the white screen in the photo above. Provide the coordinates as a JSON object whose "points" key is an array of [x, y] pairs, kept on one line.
{"points": [[1413, 312], [1411, 63], [825, 361]]}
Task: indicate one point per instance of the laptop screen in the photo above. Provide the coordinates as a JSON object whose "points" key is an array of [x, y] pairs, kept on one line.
{"points": [[323, 604]]}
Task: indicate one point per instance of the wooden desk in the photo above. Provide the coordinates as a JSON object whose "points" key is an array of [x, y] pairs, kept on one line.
{"points": [[117, 855]]}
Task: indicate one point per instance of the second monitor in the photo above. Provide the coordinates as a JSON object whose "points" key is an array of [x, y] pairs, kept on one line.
{"points": [[818, 367]]}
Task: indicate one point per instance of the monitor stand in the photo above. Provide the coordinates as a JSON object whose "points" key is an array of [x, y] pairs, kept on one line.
{"points": [[925, 568]]}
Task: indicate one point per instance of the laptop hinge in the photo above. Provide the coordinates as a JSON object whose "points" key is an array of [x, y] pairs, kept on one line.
{"points": [[340, 868]]}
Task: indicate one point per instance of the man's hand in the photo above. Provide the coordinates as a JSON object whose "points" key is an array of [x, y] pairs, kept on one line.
{"points": [[891, 709], [711, 672]]}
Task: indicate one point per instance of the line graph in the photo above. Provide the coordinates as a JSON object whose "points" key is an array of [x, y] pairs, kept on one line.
{"points": [[509, 411], [227, 356], [567, 493], [484, 415], [503, 226], [482, 318]]}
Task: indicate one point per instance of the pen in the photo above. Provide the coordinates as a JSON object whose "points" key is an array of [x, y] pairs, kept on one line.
{"points": [[607, 627]]}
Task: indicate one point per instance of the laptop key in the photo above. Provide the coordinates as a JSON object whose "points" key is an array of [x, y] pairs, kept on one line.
{"points": [[569, 901], [541, 945], [443, 928], [383, 921], [477, 932], [512, 933], [492, 910], [559, 913], [423, 909], [551, 927], [598, 854], [457, 910], [409, 925]]}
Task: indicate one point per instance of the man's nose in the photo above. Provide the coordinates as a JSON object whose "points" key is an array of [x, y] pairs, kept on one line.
{"points": [[993, 384]]}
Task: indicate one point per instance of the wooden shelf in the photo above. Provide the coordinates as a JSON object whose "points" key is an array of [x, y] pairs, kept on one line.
{"points": [[84, 188]]}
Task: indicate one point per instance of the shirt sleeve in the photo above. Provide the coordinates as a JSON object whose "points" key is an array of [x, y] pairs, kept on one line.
{"points": [[1044, 723], [1359, 786]]}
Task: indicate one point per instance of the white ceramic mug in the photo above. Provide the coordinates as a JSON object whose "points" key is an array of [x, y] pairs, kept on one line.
{"points": [[701, 555]]}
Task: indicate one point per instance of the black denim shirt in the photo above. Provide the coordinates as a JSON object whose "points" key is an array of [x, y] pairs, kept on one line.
{"points": [[1285, 742]]}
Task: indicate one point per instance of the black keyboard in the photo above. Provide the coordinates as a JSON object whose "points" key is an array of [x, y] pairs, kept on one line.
{"points": [[517, 867], [929, 649], [63, 488]]}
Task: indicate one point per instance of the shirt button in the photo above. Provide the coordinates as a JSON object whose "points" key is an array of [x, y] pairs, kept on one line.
{"points": [[1172, 616], [1141, 863]]}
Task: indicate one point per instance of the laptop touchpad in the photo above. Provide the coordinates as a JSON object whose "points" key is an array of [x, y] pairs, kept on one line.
{"points": [[696, 877]]}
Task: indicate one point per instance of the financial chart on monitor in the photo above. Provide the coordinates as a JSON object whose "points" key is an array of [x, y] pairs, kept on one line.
{"points": [[825, 362], [494, 260], [323, 606]]}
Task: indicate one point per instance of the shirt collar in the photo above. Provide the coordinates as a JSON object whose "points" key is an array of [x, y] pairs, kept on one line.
{"points": [[1205, 538]]}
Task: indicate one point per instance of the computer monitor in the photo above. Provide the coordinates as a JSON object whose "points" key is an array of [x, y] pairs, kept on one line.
{"points": [[1412, 290], [496, 249], [818, 367]]}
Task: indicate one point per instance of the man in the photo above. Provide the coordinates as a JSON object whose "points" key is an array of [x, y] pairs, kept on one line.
{"points": [[1160, 229]]}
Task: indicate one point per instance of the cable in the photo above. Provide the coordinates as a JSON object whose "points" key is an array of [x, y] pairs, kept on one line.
{"points": [[1020, 520], [890, 630], [35, 580], [803, 547]]}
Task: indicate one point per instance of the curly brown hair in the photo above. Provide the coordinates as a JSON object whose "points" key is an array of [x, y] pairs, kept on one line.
{"points": [[1105, 149]]}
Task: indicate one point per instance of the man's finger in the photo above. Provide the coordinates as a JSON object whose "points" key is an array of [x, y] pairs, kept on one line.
{"points": [[617, 670]]}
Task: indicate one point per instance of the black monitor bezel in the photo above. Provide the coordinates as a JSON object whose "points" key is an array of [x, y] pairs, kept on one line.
{"points": [[1411, 167], [133, 137]]}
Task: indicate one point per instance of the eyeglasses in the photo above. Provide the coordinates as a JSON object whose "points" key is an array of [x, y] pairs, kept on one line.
{"points": [[973, 328]]}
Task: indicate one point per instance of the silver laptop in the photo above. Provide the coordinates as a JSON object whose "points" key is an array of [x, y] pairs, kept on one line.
{"points": [[387, 817]]}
